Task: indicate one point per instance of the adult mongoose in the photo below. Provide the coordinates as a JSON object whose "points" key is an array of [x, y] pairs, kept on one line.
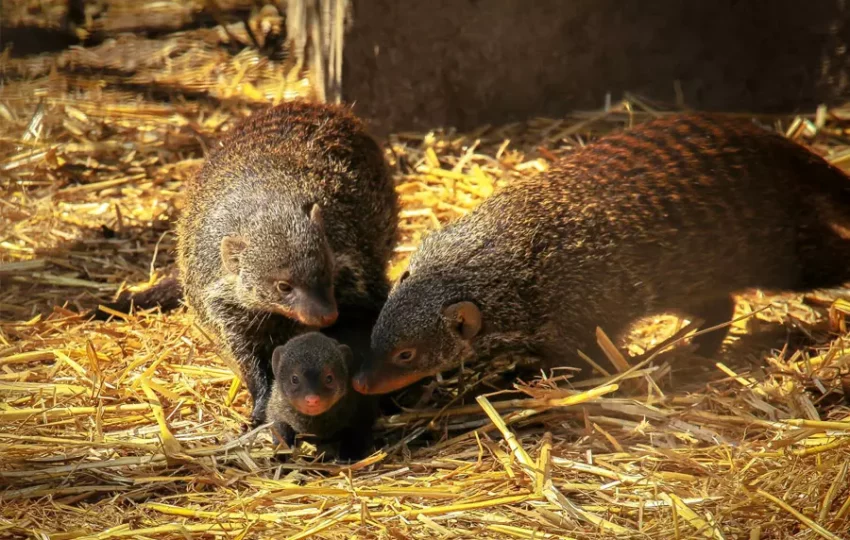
{"points": [[312, 390], [291, 221], [674, 215]]}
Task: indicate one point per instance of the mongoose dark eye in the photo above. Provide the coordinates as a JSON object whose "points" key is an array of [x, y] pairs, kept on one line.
{"points": [[404, 356], [283, 287], [404, 276], [294, 379], [329, 378]]}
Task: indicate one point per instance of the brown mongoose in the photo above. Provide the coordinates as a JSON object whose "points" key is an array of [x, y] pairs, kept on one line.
{"points": [[673, 215], [291, 220], [312, 393]]}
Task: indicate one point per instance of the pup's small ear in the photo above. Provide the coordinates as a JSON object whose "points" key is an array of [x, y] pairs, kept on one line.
{"points": [[347, 354], [232, 247], [277, 361], [467, 316]]}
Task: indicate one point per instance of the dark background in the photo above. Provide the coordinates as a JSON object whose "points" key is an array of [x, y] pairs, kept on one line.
{"points": [[418, 64]]}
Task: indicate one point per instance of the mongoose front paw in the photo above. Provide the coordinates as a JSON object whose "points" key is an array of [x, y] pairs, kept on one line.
{"points": [[354, 447]]}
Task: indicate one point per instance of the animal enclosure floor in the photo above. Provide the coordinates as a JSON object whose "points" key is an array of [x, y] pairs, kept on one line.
{"points": [[134, 427]]}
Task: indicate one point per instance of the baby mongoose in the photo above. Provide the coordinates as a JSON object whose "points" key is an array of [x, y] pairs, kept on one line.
{"points": [[674, 215], [290, 222], [312, 392]]}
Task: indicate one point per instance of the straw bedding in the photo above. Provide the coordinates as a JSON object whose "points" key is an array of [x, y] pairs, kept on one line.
{"points": [[134, 427]]}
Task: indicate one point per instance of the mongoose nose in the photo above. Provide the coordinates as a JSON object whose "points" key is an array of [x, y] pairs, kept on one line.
{"points": [[320, 319], [312, 400], [330, 318], [359, 383]]}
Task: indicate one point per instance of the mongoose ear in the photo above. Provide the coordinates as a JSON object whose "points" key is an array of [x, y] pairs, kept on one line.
{"points": [[468, 318], [277, 358], [346, 353], [316, 215], [232, 247]]}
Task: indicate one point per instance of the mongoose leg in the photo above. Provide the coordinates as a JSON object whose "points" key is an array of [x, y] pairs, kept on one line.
{"points": [[259, 386], [286, 431], [713, 312], [564, 351], [261, 402], [357, 439], [823, 256], [256, 373], [354, 443]]}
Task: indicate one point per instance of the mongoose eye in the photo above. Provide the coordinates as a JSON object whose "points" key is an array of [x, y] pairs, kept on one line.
{"points": [[404, 276], [294, 379], [284, 287], [329, 379], [404, 356]]}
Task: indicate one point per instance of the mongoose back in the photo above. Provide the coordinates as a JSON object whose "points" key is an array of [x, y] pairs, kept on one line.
{"points": [[312, 390], [674, 215], [290, 222]]}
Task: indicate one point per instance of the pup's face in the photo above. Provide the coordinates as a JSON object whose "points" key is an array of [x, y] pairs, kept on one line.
{"points": [[311, 371]]}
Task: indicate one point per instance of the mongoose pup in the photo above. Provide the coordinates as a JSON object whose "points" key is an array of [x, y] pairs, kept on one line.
{"points": [[674, 215], [312, 391], [291, 220]]}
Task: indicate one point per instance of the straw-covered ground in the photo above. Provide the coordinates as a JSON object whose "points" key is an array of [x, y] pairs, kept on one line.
{"points": [[134, 427]]}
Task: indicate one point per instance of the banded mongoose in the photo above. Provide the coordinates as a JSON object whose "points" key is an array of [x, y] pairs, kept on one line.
{"points": [[674, 215], [291, 221], [312, 390]]}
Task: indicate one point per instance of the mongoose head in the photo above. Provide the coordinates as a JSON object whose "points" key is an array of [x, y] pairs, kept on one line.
{"points": [[311, 371], [421, 331], [284, 265]]}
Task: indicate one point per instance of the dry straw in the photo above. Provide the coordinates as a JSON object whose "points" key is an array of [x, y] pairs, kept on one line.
{"points": [[134, 427]]}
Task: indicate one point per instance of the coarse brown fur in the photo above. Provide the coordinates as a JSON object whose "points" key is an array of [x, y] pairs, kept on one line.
{"points": [[322, 364], [291, 220], [673, 215]]}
